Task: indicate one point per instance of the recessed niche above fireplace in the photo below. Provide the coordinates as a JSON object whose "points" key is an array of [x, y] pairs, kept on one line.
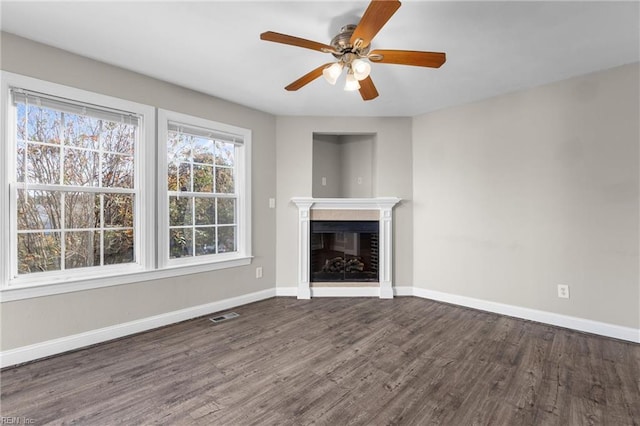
{"points": [[343, 165]]}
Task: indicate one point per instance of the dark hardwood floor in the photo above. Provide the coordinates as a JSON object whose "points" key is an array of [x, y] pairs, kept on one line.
{"points": [[337, 362]]}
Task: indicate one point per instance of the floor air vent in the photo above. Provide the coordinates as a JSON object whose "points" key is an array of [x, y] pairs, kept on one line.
{"points": [[224, 317]]}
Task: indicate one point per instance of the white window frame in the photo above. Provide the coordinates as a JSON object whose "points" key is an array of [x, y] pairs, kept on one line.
{"points": [[242, 185], [150, 169], [144, 199]]}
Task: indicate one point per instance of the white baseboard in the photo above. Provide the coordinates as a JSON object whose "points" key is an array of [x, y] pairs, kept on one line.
{"points": [[76, 341], [345, 291], [403, 291], [287, 291], [579, 324], [332, 291]]}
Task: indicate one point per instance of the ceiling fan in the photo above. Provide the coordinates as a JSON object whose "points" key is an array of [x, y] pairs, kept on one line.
{"points": [[351, 48]]}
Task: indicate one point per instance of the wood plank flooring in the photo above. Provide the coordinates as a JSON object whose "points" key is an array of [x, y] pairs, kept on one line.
{"points": [[355, 361]]}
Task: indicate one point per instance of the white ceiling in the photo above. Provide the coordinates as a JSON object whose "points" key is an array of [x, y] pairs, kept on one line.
{"points": [[214, 47]]}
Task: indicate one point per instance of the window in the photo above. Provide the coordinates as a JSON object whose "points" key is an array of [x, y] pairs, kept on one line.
{"points": [[205, 180], [87, 191], [73, 181], [74, 185]]}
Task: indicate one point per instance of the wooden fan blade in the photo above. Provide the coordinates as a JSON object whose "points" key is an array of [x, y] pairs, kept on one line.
{"points": [[307, 78], [374, 18], [294, 41], [410, 57], [368, 89]]}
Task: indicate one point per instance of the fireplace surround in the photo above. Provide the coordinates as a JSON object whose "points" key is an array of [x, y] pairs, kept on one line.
{"points": [[376, 223]]}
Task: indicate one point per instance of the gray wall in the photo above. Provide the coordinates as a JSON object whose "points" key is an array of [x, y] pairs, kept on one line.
{"points": [[391, 162], [511, 196], [517, 194], [346, 162], [358, 171], [327, 164], [34, 320]]}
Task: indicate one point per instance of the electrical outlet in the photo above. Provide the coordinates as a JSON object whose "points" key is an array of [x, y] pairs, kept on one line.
{"points": [[359, 180], [324, 181], [563, 291], [272, 203], [259, 272]]}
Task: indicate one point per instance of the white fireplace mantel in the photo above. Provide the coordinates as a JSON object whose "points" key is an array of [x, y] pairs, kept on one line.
{"points": [[384, 207]]}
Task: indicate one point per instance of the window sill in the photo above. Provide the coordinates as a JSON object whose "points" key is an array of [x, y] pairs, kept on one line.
{"points": [[13, 293]]}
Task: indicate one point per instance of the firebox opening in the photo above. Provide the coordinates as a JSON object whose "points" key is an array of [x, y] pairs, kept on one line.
{"points": [[344, 251]]}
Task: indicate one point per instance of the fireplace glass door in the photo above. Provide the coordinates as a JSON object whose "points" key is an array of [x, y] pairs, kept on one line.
{"points": [[344, 251]]}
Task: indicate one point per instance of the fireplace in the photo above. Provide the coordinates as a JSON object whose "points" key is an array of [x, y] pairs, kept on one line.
{"points": [[345, 246], [344, 251]]}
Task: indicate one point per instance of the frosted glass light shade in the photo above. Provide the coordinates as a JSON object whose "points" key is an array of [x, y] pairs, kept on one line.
{"points": [[361, 69], [352, 83], [332, 72]]}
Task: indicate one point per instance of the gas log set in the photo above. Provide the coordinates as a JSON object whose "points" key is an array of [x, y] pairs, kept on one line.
{"points": [[341, 265]]}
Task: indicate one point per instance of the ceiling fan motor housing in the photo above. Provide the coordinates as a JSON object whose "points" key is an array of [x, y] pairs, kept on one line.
{"points": [[342, 43]]}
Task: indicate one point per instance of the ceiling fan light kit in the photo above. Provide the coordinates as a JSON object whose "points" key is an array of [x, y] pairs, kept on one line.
{"points": [[332, 72], [352, 82], [361, 69], [357, 70], [351, 48]]}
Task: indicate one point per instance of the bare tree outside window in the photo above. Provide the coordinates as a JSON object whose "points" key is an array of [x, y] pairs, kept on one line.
{"points": [[80, 188], [76, 195], [202, 195]]}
